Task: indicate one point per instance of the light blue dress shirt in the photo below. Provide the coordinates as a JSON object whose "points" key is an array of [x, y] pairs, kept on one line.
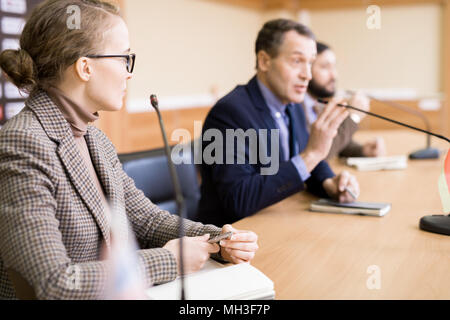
{"points": [[278, 112], [308, 106]]}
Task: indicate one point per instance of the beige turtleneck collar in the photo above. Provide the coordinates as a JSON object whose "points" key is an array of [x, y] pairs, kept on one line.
{"points": [[78, 117]]}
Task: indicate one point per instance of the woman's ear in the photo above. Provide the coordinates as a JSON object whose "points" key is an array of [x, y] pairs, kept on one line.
{"points": [[83, 69]]}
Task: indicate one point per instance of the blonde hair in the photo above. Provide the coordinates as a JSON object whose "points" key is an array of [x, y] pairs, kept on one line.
{"points": [[48, 46]]}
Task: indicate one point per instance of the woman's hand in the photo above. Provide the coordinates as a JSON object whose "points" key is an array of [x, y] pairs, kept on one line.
{"points": [[241, 247], [196, 251]]}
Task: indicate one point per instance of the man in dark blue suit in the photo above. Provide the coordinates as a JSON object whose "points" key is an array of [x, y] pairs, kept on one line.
{"points": [[266, 114]]}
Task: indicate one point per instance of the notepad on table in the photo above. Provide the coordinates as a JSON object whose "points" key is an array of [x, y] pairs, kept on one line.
{"points": [[364, 208], [218, 282], [378, 163]]}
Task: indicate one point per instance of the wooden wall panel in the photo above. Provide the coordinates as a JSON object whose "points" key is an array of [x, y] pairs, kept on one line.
{"points": [[144, 132], [294, 5], [342, 4], [436, 119]]}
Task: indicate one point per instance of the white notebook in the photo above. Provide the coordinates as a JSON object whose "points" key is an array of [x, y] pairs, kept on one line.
{"points": [[218, 282], [378, 163]]}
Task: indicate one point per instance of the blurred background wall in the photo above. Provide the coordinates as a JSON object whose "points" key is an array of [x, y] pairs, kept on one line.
{"points": [[191, 52]]}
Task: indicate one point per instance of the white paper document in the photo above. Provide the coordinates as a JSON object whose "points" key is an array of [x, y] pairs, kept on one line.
{"points": [[378, 163], [218, 282]]}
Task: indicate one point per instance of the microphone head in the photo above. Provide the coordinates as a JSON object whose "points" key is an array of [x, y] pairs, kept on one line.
{"points": [[154, 101]]}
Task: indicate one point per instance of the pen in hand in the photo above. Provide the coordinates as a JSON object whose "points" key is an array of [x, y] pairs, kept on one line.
{"points": [[350, 193]]}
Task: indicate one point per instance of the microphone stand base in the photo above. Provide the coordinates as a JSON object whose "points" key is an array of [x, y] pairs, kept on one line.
{"points": [[428, 153], [436, 224]]}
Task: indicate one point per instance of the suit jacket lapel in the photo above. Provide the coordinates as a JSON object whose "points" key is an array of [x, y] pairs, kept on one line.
{"points": [[111, 184], [79, 176], [59, 131], [264, 113], [260, 104], [106, 173]]}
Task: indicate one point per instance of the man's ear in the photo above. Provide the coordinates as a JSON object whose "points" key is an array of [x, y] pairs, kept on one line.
{"points": [[83, 69], [264, 60]]}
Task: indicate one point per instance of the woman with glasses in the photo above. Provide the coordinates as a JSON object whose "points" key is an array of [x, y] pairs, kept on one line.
{"points": [[59, 174]]}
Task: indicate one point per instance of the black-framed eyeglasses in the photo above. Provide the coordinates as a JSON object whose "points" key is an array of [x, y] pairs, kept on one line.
{"points": [[131, 58]]}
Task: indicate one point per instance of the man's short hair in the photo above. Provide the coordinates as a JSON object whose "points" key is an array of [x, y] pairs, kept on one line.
{"points": [[271, 36]]}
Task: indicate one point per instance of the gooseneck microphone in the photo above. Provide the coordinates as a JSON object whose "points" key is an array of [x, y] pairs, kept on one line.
{"points": [[432, 223], [426, 153], [181, 207], [388, 119]]}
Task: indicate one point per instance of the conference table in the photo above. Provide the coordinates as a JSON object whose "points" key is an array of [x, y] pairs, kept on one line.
{"points": [[312, 255]]}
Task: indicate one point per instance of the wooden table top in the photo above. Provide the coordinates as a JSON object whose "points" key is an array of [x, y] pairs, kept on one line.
{"points": [[311, 255]]}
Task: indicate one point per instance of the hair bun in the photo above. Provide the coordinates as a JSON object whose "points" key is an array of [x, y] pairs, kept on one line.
{"points": [[20, 69]]}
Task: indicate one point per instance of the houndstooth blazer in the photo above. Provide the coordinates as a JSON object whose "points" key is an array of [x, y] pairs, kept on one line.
{"points": [[52, 219]]}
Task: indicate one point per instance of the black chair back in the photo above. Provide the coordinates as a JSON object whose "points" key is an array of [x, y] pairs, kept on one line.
{"points": [[150, 172]]}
